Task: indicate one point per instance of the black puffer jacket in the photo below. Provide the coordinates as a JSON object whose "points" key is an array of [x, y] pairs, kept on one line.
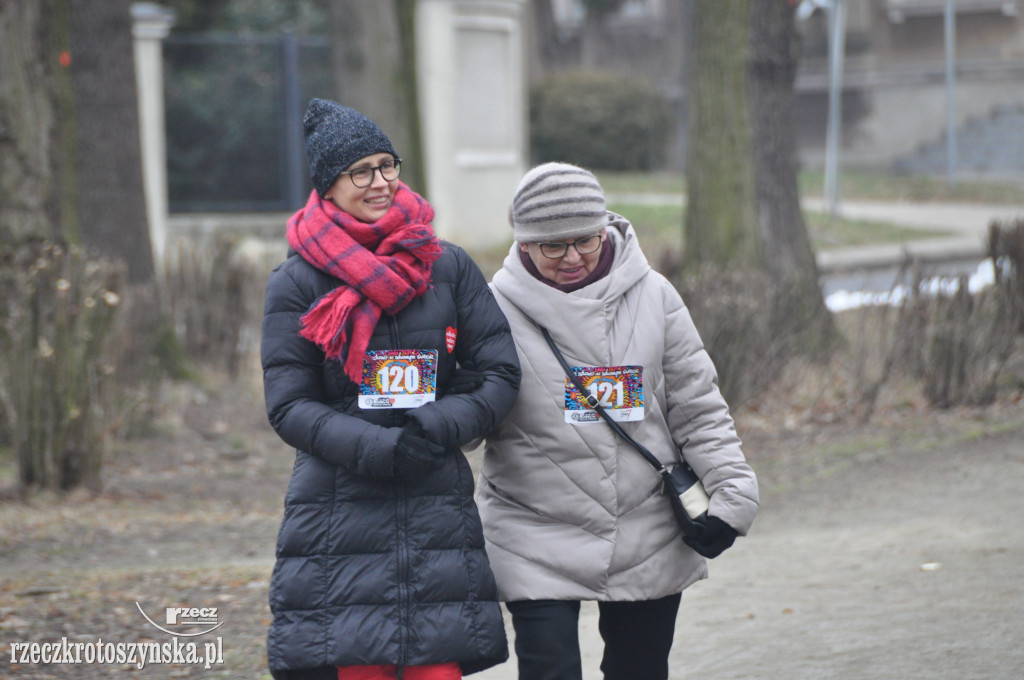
{"points": [[371, 570]]}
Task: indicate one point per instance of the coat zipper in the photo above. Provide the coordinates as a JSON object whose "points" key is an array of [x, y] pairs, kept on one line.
{"points": [[401, 508], [403, 569]]}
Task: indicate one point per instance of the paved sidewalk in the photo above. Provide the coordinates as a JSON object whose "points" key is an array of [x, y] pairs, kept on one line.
{"points": [[958, 218], [966, 223]]}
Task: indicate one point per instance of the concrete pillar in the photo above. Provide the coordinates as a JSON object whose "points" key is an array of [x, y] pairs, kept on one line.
{"points": [[471, 68], [150, 25]]}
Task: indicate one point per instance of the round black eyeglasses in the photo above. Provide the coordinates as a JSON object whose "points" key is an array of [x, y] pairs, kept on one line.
{"points": [[583, 246], [363, 177]]}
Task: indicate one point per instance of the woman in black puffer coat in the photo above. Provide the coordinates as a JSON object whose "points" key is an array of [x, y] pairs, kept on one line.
{"points": [[383, 352]]}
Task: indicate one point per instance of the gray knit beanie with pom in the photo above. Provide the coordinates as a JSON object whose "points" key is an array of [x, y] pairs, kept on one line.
{"points": [[556, 201], [337, 137]]}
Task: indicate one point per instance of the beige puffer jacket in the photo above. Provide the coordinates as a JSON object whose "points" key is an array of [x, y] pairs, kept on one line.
{"points": [[572, 511]]}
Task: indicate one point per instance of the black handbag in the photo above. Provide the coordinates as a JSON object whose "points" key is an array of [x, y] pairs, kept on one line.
{"points": [[680, 483]]}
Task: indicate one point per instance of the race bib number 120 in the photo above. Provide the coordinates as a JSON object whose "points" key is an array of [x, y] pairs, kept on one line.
{"points": [[619, 389], [398, 378]]}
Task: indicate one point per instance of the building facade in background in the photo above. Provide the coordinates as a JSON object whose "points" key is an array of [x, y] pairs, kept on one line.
{"points": [[894, 107]]}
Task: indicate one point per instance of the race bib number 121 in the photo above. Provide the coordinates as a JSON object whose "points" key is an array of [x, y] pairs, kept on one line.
{"points": [[619, 389]]}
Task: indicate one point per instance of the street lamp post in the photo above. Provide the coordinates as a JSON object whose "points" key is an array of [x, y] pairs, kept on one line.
{"points": [[837, 35], [950, 26]]}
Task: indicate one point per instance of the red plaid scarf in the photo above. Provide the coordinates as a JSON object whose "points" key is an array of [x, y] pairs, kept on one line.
{"points": [[383, 265]]}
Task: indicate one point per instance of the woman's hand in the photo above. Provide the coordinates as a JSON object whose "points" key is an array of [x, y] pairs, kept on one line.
{"points": [[414, 454], [714, 538]]}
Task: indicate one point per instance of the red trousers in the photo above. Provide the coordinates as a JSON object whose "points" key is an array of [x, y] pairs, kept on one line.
{"points": [[438, 671]]}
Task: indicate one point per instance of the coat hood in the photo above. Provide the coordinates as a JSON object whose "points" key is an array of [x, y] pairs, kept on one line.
{"points": [[590, 308]]}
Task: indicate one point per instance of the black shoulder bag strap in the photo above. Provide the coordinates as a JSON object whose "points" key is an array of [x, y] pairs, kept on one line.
{"points": [[683, 478], [595, 404]]}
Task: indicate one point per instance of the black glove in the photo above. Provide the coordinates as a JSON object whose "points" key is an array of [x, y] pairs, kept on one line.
{"points": [[415, 455], [465, 380], [713, 538]]}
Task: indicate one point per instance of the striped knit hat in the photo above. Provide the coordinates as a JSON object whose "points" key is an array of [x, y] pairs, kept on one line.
{"points": [[557, 201], [337, 137]]}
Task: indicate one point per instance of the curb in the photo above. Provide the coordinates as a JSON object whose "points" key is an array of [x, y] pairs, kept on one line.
{"points": [[883, 256]]}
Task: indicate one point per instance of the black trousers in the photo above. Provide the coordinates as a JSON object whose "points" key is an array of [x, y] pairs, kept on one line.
{"points": [[637, 638]]}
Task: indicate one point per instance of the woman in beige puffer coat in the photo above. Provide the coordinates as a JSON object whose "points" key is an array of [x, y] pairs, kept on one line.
{"points": [[570, 510]]}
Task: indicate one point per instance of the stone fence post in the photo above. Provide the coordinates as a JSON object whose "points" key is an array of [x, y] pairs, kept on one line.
{"points": [[471, 69], [150, 25]]}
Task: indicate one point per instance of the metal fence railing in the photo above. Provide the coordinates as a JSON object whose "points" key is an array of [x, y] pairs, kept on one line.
{"points": [[234, 108]]}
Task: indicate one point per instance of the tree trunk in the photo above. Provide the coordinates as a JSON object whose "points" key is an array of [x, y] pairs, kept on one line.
{"points": [[543, 53], [374, 54], [590, 39], [773, 63], [111, 199], [720, 225], [786, 248], [743, 213], [57, 305], [30, 67]]}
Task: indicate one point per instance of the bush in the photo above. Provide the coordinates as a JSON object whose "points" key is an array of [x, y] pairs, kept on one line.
{"points": [[599, 120], [751, 326], [215, 300], [956, 343], [1006, 250], [940, 341], [57, 361]]}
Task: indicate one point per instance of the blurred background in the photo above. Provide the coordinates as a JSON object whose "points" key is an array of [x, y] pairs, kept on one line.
{"points": [[230, 68], [799, 169]]}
